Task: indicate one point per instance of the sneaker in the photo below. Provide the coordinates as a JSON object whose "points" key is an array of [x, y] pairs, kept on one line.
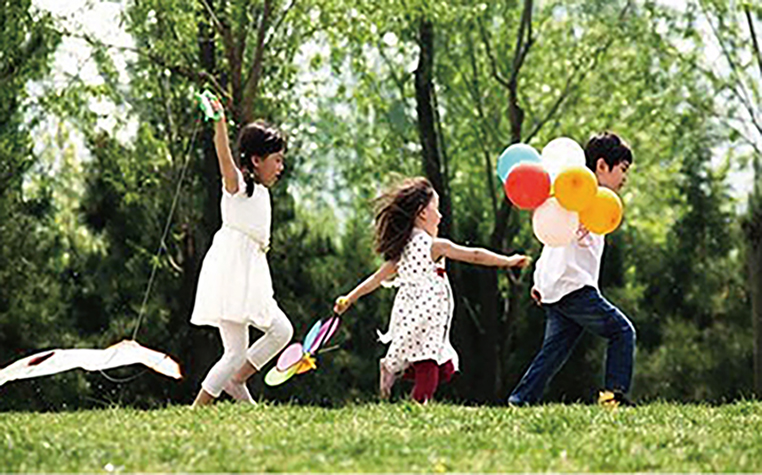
{"points": [[386, 381], [613, 399], [239, 392], [515, 402]]}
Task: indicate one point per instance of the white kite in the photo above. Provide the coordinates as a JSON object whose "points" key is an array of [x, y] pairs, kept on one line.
{"points": [[124, 353]]}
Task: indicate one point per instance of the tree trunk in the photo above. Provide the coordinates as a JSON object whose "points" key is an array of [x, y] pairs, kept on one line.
{"points": [[201, 348], [424, 97], [753, 230], [755, 282], [500, 314]]}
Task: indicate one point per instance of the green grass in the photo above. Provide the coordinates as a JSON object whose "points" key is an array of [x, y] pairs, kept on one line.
{"points": [[400, 437]]}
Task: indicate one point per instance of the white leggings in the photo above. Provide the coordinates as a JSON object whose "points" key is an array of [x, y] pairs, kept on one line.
{"points": [[235, 338]]}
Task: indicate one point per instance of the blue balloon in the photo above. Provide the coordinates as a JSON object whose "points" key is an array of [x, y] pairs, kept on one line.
{"points": [[513, 155]]}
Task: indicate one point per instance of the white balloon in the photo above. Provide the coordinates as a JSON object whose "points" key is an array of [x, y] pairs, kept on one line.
{"points": [[554, 225], [562, 153]]}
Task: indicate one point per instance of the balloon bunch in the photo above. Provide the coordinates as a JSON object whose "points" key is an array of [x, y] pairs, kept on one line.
{"points": [[560, 189]]}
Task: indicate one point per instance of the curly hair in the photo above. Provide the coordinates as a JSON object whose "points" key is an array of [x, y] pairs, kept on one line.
{"points": [[396, 211]]}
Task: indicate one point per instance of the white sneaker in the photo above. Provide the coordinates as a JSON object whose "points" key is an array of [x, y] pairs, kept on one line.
{"points": [[239, 392]]}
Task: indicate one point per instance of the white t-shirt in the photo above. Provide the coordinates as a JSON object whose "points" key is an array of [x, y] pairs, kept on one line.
{"points": [[562, 270]]}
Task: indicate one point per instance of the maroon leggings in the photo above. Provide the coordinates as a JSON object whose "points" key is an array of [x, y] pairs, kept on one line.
{"points": [[427, 376]]}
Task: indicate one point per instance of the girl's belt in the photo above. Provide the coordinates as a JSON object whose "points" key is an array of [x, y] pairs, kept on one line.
{"points": [[263, 247]]}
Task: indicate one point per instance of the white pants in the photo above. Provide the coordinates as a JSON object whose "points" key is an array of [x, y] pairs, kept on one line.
{"points": [[235, 338]]}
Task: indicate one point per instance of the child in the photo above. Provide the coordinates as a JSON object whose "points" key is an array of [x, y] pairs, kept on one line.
{"points": [[234, 286], [419, 330], [566, 285]]}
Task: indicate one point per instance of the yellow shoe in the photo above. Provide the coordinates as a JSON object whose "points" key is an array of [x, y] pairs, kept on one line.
{"points": [[613, 399]]}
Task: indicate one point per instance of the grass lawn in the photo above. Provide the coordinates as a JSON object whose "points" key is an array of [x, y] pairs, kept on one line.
{"points": [[400, 437]]}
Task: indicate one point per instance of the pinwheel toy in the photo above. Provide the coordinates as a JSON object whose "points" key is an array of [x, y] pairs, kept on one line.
{"points": [[299, 358]]}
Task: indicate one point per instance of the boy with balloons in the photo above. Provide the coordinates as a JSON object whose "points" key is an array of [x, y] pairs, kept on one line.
{"points": [[573, 195]]}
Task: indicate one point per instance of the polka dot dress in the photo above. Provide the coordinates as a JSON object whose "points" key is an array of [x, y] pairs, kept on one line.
{"points": [[419, 328]]}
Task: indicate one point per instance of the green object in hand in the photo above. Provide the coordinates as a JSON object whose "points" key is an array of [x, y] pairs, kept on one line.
{"points": [[205, 101]]}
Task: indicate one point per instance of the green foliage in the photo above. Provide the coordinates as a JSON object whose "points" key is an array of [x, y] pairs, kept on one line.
{"points": [[30, 305]]}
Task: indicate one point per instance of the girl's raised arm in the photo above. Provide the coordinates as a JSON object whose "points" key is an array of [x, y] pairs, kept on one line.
{"points": [[475, 255], [224, 155], [370, 284]]}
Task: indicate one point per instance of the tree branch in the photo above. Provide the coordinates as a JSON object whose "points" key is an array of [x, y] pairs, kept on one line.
{"points": [[754, 41], [571, 83], [477, 97], [185, 71], [278, 24], [252, 82], [568, 87], [217, 24], [521, 51], [746, 99], [493, 62], [397, 81]]}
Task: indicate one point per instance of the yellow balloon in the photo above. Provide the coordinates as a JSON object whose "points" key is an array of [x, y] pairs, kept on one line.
{"points": [[604, 214], [575, 188]]}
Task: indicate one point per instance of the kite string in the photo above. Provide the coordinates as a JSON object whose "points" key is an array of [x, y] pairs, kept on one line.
{"points": [[123, 380], [155, 260], [162, 243]]}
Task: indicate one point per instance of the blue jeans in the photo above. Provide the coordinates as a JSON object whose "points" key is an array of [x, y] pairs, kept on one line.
{"points": [[583, 309]]}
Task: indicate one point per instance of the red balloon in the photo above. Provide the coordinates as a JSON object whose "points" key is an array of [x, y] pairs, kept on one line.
{"points": [[527, 185]]}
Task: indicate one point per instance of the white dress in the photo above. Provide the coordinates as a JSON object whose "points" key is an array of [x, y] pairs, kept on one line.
{"points": [[234, 283], [419, 328]]}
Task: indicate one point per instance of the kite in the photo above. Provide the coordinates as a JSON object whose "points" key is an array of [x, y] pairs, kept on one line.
{"points": [[126, 352]]}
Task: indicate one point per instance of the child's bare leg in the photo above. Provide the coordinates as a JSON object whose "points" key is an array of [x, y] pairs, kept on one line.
{"points": [[386, 381], [203, 399]]}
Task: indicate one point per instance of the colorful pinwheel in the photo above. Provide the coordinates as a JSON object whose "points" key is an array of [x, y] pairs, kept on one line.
{"points": [[299, 358]]}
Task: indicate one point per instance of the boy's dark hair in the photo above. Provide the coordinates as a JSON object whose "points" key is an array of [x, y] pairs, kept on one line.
{"points": [[396, 211], [257, 139], [608, 146]]}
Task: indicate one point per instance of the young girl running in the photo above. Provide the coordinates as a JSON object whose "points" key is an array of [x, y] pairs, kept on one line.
{"points": [[419, 330], [234, 286]]}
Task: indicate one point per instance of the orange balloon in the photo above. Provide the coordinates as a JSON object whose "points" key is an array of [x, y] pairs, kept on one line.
{"points": [[527, 185], [575, 188], [604, 214]]}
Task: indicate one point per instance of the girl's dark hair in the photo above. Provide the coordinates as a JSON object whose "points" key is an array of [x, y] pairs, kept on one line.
{"points": [[257, 139], [608, 146], [396, 211]]}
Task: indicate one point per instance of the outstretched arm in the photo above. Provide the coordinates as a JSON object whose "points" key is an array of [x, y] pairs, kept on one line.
{"points": [[476, 255], [224, 155], [370, 284]]}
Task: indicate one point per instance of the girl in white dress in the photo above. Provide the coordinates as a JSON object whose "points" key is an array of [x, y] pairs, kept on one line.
{"points": [[419, 329], [234, 286]]}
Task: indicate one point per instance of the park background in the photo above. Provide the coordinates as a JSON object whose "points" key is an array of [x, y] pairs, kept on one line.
{"points": [[98, 120]]}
